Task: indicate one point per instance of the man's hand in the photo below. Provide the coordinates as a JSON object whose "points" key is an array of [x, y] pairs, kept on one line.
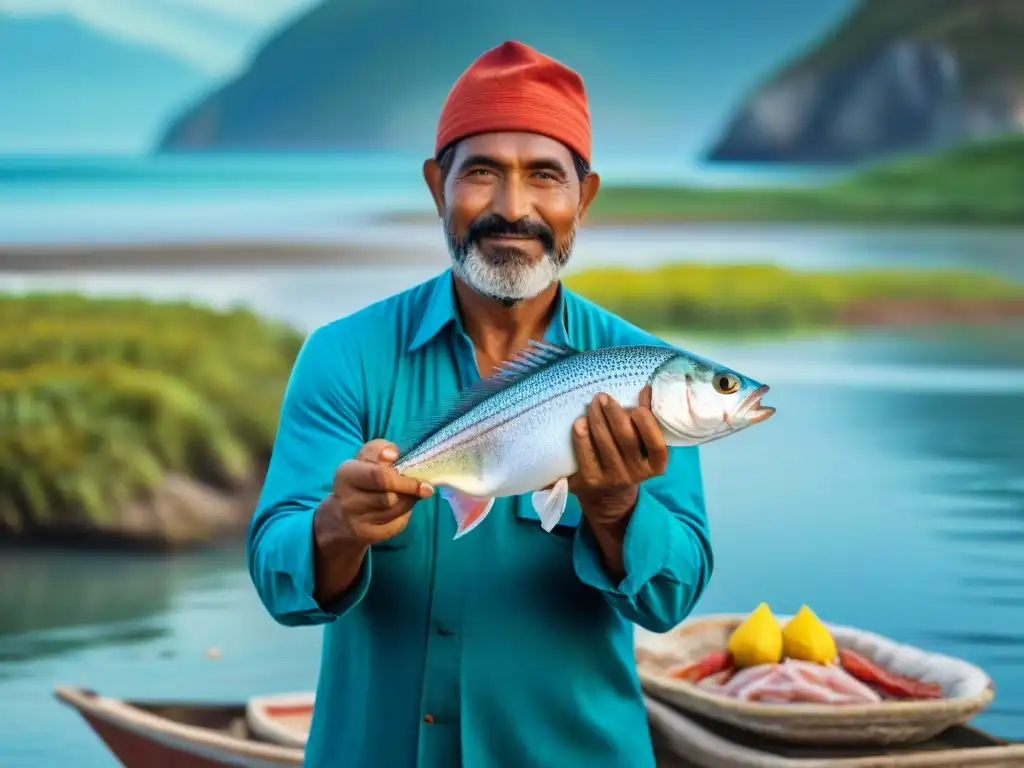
{"points": [[370, 502], [616, 450]]}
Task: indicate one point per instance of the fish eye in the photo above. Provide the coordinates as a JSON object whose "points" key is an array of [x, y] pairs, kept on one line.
{"points": [[725, 383]]}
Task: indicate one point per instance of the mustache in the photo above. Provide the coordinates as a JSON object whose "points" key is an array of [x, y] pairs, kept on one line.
{"points": [[493, 225]]}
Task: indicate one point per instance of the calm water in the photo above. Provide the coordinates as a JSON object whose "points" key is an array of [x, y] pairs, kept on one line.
{"points": [[311, 197]]}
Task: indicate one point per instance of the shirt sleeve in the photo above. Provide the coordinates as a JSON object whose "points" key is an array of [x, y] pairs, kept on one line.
{"points": [[320, 427], [667, 552]]}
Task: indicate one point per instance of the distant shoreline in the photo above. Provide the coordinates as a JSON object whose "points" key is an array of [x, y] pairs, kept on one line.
{"points": [[103, 257]]}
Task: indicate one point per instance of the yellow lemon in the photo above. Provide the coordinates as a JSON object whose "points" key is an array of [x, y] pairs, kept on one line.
{"points": [[805, 637], [758, 640]]}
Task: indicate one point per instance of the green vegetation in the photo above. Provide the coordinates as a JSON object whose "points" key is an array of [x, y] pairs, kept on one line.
{"points": [[99, 399], [766, 298], [980, 183]]}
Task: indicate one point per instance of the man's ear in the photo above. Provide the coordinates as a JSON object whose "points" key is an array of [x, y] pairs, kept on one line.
{"points": [[588, 191], [434, 176]]}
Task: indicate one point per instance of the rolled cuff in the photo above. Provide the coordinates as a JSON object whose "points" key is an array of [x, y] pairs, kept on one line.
{"points": [[645, 549]]}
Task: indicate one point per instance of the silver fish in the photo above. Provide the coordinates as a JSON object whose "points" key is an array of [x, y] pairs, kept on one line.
{"points": [[512, 433]]}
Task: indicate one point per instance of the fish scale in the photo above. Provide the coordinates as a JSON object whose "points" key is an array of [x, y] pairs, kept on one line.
{"points": [[511, 434]]}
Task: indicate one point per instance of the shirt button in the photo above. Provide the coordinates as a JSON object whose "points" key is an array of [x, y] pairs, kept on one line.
{"points": [[428, 719]]}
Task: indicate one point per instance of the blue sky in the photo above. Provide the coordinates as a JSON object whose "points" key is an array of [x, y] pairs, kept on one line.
{"points": [[127, 66], [213, 36]]}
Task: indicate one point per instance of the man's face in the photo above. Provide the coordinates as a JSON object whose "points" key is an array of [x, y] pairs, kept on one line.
{"points": [[511, 204]]}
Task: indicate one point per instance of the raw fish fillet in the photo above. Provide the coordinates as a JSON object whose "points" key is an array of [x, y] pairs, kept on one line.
{"points": [[798, 681]]}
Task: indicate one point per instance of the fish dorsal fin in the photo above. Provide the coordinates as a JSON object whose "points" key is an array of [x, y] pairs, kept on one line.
{"points": [[535, 357]]}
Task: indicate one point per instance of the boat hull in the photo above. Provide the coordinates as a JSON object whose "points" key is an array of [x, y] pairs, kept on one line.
{"points": [[141, 739]]}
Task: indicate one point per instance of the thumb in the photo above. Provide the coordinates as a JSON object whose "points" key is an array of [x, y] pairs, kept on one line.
{"points": [[379, 450]]}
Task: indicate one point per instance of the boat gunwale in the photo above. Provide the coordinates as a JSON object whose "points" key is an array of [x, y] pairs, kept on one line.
{"points": [[127, 715], [677, 731], [260, 717]]}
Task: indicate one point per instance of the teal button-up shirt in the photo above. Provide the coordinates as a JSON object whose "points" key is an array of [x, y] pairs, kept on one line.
{"points": [[509, 647]]}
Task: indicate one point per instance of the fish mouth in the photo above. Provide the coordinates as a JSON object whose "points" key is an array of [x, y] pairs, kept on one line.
{"points": [[751, 410]]}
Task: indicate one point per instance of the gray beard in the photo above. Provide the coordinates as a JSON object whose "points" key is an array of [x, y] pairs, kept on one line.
{"points": [[512, 278]]}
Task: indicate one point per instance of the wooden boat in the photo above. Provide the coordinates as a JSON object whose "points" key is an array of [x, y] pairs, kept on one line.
{"points": [[270, 732], [177, 735]]}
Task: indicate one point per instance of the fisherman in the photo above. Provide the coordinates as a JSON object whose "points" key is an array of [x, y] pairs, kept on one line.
{"points": [[511, 646]]}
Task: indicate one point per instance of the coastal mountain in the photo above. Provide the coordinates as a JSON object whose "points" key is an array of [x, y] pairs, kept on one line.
{"points": [[77, 90], [354, 74], [903, 76]]}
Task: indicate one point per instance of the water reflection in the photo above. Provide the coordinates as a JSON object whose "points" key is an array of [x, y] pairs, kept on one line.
{"points": [[54, 603], [971, 453], [29, 647]]}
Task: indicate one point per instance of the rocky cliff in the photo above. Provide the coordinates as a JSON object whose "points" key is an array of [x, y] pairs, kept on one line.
{"points": [[893, 77]]}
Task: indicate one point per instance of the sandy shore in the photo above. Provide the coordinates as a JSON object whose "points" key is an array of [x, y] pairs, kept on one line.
{"points": [[195, 256]]}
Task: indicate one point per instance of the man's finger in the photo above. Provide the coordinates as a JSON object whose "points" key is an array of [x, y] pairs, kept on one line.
{"points": [[372, 502], [626, 438], [653, 439], [382, 479], [589, 466], [612, 466], [646, 395], [378, 450], [391, 528], [379, 513], [399, 510]]}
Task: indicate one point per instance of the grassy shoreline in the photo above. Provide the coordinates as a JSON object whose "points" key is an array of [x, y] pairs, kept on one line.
{"points": [[977, 183], [131, 418], [765, 298]]}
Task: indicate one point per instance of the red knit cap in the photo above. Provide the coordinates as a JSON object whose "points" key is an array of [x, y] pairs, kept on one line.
{"points": [[514, 88]]}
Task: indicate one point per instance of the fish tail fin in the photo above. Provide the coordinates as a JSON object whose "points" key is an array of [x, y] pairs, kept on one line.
{"points": [[550, 504], [469, 511]]}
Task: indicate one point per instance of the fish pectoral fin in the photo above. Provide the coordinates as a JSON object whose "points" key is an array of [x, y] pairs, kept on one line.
{"points": [[469, 511], [550, 504]]}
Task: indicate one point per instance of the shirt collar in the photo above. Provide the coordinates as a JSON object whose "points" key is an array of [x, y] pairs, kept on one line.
{"points": [[441, 309]]}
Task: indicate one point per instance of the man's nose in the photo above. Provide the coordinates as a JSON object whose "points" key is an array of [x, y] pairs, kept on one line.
{"points": [[511, 202]]}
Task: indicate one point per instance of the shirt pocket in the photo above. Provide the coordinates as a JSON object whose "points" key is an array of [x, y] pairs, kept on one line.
{"points": [[567, 525]]}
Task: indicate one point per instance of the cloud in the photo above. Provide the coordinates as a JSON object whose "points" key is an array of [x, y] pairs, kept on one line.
{"points": [[257, 12], [215, 36]]}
